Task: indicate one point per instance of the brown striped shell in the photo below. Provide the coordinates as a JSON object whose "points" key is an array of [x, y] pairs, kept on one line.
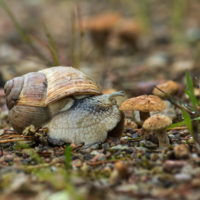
{"points": [[66, 81], [37, 96]]}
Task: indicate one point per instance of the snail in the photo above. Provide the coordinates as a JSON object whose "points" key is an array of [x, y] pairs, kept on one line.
{"points": [[67, 102]]}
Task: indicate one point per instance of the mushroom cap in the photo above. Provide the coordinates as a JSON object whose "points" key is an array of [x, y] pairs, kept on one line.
{"points": [[128, 27], [170, 87], [144, 103], [102, 22], [157, 122]]}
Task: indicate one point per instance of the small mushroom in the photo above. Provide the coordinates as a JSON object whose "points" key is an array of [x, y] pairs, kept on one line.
{"points": [[158, 124], [170, 87], [128, 30], [144, 104], [100, 27]]}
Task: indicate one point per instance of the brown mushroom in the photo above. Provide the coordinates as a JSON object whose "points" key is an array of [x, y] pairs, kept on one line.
{"points": [[128, 31], [100, 27], [170, 87], [158, 124], [144, 104]]}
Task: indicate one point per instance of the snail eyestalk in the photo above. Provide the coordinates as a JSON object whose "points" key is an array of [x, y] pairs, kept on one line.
{"points": [[116, 94]]}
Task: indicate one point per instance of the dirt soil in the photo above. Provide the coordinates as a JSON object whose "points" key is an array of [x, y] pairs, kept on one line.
{"points": [[123, 45]]}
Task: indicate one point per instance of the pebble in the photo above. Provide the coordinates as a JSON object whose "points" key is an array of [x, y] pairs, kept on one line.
{"points": [[190, 141], [88, 157], [154, 156], [182, 66], [129, 151], [128, 134], [17, 160], [148, 144], [193, 35], [143, 149], [94, 152], [108, 154], [85, 168], [135, 135], [173, 165], [107, 170], [120, 147], [157, 60], [76, 162], [26, 161], [101, 157], [1, 132], [183, 177], [182, 151], [8, 160], [105, 145]]}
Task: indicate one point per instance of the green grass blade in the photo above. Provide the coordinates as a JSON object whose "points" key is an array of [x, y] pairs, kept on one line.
{"points": [[22, 33], [181, 123], [12, 17], [176, 125], [52, 45], [191, 91], [188, 121]]}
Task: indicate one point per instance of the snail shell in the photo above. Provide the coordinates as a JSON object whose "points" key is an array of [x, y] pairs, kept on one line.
{"points": [[37, 96]]}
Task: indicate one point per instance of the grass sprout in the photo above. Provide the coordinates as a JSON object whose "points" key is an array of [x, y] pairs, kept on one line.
{"points": [[53, 48], [22, 33]]}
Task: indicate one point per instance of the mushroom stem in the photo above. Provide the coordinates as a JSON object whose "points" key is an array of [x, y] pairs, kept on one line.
{"points": [[162, 138], [144, 116], [119, 93]]}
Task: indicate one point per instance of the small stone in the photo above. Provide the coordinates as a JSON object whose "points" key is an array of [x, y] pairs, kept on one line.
{"points": [[101, 157], [72, 145], [26, 161], [94, 152], [112, 144], [148, 144], [88, 157], [134, 135], [1, 132], [183, 177], [171, 165], [8, 160], [157, 60], [182, 151], [107, 170], [85, 168], [142, 149], [76, 162], [128, 134], [190, 141], [105, 145], [120, 147], [108, 154], [17, 160], [182, 66], [129, 151], [154, 156]]}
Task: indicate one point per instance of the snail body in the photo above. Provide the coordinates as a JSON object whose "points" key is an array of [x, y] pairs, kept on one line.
{"points": [[65, 100]]}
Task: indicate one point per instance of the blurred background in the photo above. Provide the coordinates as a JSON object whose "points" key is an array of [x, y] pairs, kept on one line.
{"points": [[126, 45]]}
